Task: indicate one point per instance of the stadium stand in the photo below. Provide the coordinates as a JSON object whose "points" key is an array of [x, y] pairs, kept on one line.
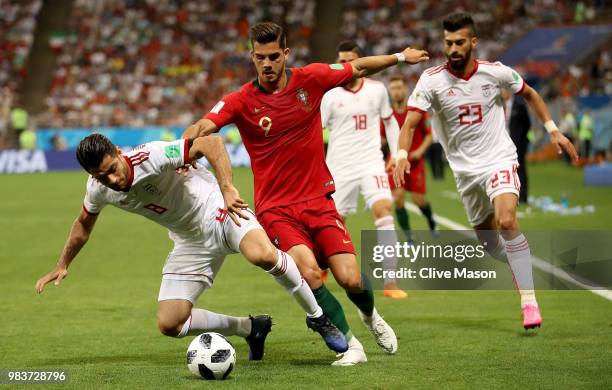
{"points": [[17, 24], [136, 63]]}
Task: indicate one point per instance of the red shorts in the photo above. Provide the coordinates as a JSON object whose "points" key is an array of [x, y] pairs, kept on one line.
{"points": [[315, 223], [415, 180]]}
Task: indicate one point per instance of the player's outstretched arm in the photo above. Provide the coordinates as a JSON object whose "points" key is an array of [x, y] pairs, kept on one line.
{"points": [[79, 234], [214, 150], [201, 128], [366, 66], [405, 141], [537, 104], [419, 152]]}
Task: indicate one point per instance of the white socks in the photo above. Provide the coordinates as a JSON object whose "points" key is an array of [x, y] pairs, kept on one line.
{"points": [[385, 229], [202, 320], [286, 273], [519, 258]]}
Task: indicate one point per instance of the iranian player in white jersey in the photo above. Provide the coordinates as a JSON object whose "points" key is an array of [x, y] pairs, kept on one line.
{"points": [[464, 95], [206, 219], [353, 114]]}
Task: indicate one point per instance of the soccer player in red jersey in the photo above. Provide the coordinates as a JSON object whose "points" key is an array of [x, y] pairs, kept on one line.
{"points": [[278, 115], [415, 181]]}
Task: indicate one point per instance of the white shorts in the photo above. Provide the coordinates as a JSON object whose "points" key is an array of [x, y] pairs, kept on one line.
{"points": [[373, 187], [477, 191], [199, 258]]}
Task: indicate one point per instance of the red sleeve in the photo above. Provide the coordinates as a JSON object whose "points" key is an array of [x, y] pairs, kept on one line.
{"points": [[330, 75], [224, 111], [425, 125], [383, 133]]}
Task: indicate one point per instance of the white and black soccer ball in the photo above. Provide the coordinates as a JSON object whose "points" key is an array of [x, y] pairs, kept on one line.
{"points": [[211, 356]]}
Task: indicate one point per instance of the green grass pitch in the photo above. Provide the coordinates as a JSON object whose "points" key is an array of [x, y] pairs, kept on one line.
{"points": [[100, 323]]}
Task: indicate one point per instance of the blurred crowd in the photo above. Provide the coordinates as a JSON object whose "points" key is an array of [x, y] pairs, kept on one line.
{"points": [[381, 26], [144, 62], [17, 23]]}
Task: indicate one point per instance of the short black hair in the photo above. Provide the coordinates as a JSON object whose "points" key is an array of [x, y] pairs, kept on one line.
{"points": [[92, 149], [267, 32], [457, 21], [348, 45], [398, 77]]}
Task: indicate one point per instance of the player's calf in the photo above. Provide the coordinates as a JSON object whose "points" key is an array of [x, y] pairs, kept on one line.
{"points": [[349, 279]]}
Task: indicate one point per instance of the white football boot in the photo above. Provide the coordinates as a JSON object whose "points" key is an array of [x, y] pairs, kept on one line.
{"points": [[382, 332], [354, 355]]}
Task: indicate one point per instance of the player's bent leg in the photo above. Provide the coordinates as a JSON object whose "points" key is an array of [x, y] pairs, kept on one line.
{"points": [[359, 291], [310, 270], [172, 315], [519, 257], [258, 249], [177, 318]]}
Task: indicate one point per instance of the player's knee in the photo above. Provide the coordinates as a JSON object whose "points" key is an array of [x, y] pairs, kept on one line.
{"points": [[312, 276], [170, 327], [263, 255], [351, 281], [399, 203], [507, 221]]}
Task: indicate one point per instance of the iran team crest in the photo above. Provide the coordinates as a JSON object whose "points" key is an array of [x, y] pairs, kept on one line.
{"points": [[487, 90], [302, 97]]}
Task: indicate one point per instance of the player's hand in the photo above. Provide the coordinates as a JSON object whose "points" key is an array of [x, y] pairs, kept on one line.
{"points": [[390, 166], [414, 56], [234, 204], [562, 143], [401, 168], [415, 155], [58, 274], [184, 170]]}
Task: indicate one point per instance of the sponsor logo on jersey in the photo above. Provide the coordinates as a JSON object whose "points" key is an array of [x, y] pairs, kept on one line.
{"points": [[329, 183], [515, 76], [172, 151], [336, 66], [257, 110], [302, 97], [450, 93]]}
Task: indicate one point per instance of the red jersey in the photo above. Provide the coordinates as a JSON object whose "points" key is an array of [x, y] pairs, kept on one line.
{"points": [[422, 129], [282, 133]]}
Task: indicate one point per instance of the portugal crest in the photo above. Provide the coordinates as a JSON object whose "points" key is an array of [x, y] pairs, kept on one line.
{"points": [[302, 97]]}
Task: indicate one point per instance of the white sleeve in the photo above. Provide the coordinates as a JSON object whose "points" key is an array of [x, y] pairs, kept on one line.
{"points": [[421, 97], [385, 105], [169, 155], [392, 131], [326, 109], [510, 79], [94, 200]]}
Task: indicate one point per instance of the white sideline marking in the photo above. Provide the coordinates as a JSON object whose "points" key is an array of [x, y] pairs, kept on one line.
{"points": [[537, 262]]}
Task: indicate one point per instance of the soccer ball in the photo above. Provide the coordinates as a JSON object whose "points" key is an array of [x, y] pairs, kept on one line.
{"points": [[211, 356]]}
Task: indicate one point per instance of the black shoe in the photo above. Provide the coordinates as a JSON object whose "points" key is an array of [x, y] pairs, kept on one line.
{"points": [[334, 339], [260, 327]]}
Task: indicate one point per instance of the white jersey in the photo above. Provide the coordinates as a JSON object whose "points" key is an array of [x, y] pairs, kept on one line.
{"points": [[469, 113], [157, 192], [353, 119]]}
